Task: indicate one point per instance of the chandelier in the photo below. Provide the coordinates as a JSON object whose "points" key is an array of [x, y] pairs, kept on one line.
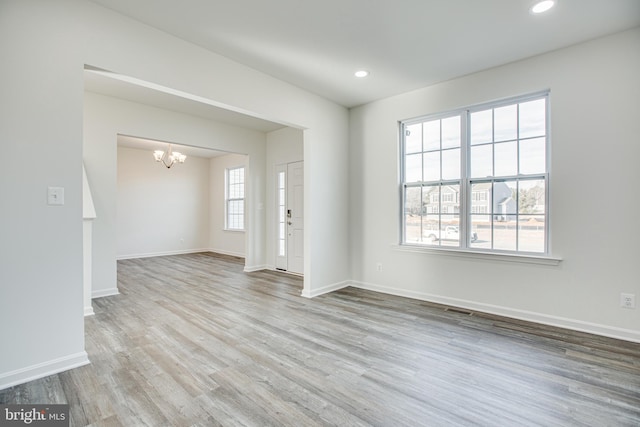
{"points": [[169, 158]]}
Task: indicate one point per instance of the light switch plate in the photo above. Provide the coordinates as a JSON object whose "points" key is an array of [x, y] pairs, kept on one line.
{"points": [[55, 196]]}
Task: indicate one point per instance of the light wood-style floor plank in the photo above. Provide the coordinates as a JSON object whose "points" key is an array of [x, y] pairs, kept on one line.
{"points": [[194, 341]]}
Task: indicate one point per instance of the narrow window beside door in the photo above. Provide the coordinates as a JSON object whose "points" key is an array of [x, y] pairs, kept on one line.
{"points": [[282, 227], [235, 199]]}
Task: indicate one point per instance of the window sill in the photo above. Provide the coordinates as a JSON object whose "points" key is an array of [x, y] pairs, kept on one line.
{"points": [[233, 230], [489, 256]]}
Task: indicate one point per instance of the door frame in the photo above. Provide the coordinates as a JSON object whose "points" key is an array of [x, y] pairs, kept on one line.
{"points": [[281, 244]]}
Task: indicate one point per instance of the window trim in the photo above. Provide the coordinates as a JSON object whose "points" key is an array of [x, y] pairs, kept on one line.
{"points": [[517, 257], [465, 182], [227, 199]]}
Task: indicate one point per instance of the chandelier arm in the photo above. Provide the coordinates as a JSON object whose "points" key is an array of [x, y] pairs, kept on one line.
{"points": [[167, 165]]}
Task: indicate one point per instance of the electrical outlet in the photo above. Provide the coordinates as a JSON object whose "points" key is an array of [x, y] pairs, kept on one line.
{"points": [[379, 266], [627, 301]]}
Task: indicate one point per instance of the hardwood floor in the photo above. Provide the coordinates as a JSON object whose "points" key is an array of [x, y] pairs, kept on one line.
{"points": [[192, 340]]}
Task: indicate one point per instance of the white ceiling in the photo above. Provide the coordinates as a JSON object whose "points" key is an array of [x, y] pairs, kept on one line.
{"points": [[405, 44]]}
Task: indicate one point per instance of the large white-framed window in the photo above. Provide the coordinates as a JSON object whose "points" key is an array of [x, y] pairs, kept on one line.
{"points": [[234, 199], [477, 178]]}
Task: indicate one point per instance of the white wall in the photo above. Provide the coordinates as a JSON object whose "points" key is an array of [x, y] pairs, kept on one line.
{"points": [[44, 46], [41, 310], [283, 146], [106, 117], [221, 240], [117, 43], [594, 150], [164, 211], [161, 211]]}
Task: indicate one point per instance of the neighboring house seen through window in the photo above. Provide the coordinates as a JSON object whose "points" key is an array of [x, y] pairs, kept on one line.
{"points": [[477, 178], [235, 199]]}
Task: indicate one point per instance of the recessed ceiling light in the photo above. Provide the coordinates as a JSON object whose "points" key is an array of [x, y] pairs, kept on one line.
{"points": [[361, 73], [542, 6]]}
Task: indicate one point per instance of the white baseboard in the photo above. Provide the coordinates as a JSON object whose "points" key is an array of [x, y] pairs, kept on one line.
{"points": [[88, 311], [225, 252], [325, 289], [41, 370], [104, 293], [164, 253], [251, 269], [545, 319], [273, 268]]}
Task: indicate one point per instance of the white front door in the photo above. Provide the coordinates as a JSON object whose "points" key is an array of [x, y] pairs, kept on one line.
{"points": [[290, 226], [295, 217]]}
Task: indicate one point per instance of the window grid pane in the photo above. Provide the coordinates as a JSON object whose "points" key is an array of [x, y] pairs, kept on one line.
{"points": [[413, 214]]}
